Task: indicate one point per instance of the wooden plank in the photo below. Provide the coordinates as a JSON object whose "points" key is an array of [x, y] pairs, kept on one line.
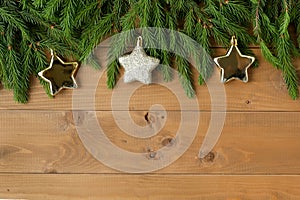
{"points": [[266, 91], [97, 186], [251, 143]]}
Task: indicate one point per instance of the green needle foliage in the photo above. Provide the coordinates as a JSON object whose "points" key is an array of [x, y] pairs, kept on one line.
{"points": [[272, 27], [28, 29], [25, 38]]}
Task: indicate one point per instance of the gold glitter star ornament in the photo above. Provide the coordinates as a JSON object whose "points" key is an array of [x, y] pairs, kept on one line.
{"points": [[234, 64], [59, 74], [138, 65]]}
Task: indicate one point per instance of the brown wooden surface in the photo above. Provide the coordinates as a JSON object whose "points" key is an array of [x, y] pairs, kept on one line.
{"points": [[154, 187], [251, 143], [257, 156]]}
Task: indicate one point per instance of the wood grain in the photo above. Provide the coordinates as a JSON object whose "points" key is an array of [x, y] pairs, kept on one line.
{"points": [[156, 187], [265, 91], [251, 143], [257, 156]]}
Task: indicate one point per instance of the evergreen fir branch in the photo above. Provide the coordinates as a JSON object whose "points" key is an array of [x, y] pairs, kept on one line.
{"points": [[16, 76], [119, 8], [144, 8], [40, 61], [57, 46], [297, 22], [193, 24], [223, 23], [38, 3], [56, 34], [119, 44], [206, 65], [3, 73], [269, 29], [185, 76], [201, 80], [23, 95], [289, 71], [220, 37], [171, 24], [178, 6], [35, 19], [50, 9], [285, 23], [165, 66], [117, 48], [8, 16], [90, 40], [84, 14], [128, 20], [2, 27], [158, 14], [112, 74], [284, 51], [240, 10], [268, 55], [298, 33], [92, 60], [67, 16], [189, 23], [28, 28]]}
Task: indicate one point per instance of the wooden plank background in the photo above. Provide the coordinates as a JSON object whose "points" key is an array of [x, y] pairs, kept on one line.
{"points": [[257, 156]]}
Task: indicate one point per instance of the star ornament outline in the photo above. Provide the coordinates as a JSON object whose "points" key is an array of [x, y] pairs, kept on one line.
{"points": [[243, 72], [53, 90], [138, 65]]}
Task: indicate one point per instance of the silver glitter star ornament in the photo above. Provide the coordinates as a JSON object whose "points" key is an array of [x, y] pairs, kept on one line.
{"points": [[138, 65]]}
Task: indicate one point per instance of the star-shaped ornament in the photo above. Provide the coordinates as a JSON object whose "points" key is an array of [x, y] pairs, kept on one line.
{"points": [[59, 74], [234, 65], [138, 65]]}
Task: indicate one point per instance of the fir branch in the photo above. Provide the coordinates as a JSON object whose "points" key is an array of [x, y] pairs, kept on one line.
{"points": [[16, 76], [284, 51], [84, 14], [260, 21], [92, 60], [144, 12], [240, 10], [3, 71], [9, 17], [268, 55], [38, 3], [117, 48], [90, 40], [289, 71], [185, 76], [40, 62], [165, 66], [112, 74], [75, 28], [23, 95], [50, 9], [67, 17]]}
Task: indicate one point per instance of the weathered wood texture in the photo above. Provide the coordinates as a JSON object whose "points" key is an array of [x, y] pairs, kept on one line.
{"points": [[154, 187], [251, 143], [257, 156]]}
